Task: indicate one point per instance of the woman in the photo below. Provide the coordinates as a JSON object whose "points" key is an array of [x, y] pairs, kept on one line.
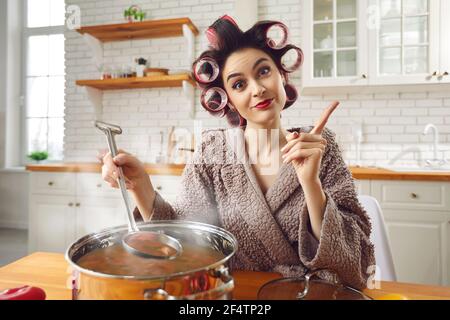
{"points": [[299, 212]]}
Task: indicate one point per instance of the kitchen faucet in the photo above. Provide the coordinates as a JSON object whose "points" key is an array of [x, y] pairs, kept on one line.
{"points": [[435, 161]]}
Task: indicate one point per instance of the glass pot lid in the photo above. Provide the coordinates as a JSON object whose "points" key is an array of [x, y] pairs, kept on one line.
{"points": [[305, 288]]}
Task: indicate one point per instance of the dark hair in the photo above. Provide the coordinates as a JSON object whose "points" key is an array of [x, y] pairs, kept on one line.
{"points": [[230, 38]]}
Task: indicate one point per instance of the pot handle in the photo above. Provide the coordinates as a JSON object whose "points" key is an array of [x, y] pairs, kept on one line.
{"points": [[308, 276], [226, 287]]}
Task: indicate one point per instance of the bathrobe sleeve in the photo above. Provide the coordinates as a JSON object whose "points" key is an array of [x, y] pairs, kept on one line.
{"points": [[344, 245], [196, 198]]}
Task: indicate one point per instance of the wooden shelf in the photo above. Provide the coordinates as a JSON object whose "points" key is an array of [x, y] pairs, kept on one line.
{"points": [[140, 30], [163, 81]]}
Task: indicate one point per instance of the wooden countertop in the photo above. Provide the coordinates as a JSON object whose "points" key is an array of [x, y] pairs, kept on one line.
{"points": [[366, 173], [50, 272], [359, 173], [152, 169]]}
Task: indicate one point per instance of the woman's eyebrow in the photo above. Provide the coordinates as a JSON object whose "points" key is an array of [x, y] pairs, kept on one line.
{"points": [[254, 66]]}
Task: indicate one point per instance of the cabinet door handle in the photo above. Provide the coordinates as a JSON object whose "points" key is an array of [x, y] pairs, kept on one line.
{"points": [[77, 204], [445, 73], [364, 76], [414, 195], [70, 204], [434, 74], [50, 183]]}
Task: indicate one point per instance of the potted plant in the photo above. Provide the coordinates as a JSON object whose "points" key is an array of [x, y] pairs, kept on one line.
{"points": [[38, 156], [134, 13]]}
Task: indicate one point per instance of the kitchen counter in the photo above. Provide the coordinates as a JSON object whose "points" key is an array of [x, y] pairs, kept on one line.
{"points": [[152, 169], [51, 272], [359, 173], [375, 173]]}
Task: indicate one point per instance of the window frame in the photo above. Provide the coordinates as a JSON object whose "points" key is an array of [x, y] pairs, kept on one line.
{"points": [[26, 33]]}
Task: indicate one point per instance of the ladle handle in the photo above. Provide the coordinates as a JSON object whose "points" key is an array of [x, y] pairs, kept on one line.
{"points": [[121, 180]]}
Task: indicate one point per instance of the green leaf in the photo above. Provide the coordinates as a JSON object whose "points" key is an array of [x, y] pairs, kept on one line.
{"points": [[38, 155]]}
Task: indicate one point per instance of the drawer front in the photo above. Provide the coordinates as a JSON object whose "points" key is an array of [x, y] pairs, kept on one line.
{"points": [[53, 183], [412, 194], [92, 184], [167, 186]]}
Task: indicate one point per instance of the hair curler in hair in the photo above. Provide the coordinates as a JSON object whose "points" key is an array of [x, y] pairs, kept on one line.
{"points": [[206, 70], [227, 17], [214, 99], [272, 35], [211, 33]]}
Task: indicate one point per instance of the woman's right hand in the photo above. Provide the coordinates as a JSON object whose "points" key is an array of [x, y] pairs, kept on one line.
{"points": [[136, 179], [133, 169]]}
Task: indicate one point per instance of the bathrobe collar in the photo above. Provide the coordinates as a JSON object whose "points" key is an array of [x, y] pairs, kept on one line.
{"points": [[262, 222]]}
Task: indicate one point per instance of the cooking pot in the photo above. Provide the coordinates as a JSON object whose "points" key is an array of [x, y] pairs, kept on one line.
{"points": [[307, 288], [209, 281]]}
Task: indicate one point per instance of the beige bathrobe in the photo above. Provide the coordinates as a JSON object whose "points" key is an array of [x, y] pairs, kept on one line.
{"points": [[273, 229]]}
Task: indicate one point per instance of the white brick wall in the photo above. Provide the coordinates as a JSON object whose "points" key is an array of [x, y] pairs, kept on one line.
{"points": [[391, 122]]}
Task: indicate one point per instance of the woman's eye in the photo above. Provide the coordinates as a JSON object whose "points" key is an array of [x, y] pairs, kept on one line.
{"points": [[238, 85], [264, 70]]}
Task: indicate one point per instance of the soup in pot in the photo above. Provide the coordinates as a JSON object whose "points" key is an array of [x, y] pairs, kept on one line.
{"points": [[116, 260]]}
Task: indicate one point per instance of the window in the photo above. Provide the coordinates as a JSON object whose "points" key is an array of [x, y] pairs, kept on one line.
{"points": [[44, 77]]}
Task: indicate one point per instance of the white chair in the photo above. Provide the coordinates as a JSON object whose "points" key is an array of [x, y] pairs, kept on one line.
{"points": [[380, 239]]}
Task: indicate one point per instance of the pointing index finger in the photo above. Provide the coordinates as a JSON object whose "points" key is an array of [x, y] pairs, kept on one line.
{"points": [[320, 124]]}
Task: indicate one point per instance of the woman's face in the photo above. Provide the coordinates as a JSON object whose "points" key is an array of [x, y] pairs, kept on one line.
{"points": [[251, 77]]}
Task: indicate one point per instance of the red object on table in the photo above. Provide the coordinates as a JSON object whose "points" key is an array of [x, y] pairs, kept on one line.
{"points": [[23, 293]]}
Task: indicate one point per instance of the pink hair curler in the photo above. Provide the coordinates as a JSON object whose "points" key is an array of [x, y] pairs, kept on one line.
{"points": [[206, 70], [211, 33], [292, 65], [213, 40], [277, 35], [227, 17], [214, 99]]}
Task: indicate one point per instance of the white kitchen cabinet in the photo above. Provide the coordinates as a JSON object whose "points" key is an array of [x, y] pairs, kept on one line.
{"points": [[404, 42], [444, 60], [375, 43], [94, 214], [58, 215], [53, 183], [334, 43], [67, 206], [92, 184], [417, 215], [167, 186], [415, 195], [362, 186], [51, 223], [420, 245]]}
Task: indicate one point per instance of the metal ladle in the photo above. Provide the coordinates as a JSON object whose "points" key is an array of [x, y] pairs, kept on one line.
{"points": [[146, 244]]}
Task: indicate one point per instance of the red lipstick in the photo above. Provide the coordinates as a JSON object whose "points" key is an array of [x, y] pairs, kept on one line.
{"points": [[264, 104]]}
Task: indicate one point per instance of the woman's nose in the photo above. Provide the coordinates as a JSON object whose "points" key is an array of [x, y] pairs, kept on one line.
{"points": [[258, 89]]}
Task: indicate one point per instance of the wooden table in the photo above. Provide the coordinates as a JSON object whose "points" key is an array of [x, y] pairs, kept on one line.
{"points": [[50, 272]]}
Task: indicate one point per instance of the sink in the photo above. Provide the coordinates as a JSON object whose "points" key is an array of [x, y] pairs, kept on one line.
{"points": [[445, 168]]}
